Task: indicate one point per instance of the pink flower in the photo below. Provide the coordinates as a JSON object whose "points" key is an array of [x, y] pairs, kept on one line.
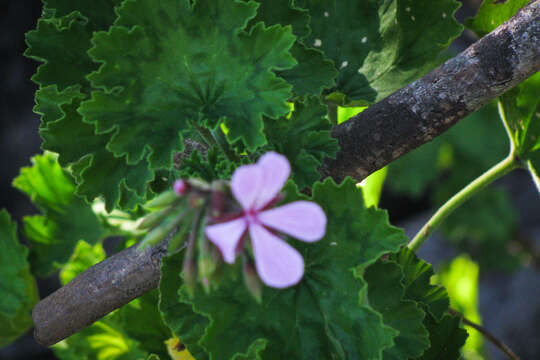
{"points": [[255, 187]]}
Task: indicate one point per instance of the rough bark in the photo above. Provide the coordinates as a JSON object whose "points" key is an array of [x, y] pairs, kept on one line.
{"points": [[385, 131], [423, 110]]}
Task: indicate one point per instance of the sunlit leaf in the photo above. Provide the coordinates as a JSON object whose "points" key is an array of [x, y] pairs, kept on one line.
{"points": [[493, 13], [460, 278], [65, 218], [18, 289]]}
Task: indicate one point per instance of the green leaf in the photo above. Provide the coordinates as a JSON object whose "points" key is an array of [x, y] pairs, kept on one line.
{"points": [[386, 295], [372, 187], [313, 73], [97, 171], [84, 256], [213, 167], [66, 218], [102, 340], [325, 316], [62, 45], [18, 289], [417, 275], [169, 64], [283, 12], [304, 138], [100, 13], [380, 46], [141, 320], [493, 13], [446, 338], [62, 41], [520, 111], [445, 334]]}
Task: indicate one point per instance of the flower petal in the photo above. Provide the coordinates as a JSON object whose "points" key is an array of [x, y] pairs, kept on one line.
{"points": [[245, 185], [226, 237], [304, 220], [275, 170], [278, 264]]}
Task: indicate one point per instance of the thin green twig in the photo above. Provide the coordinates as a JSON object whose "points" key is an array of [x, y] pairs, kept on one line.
{"points": [[497, 171]]}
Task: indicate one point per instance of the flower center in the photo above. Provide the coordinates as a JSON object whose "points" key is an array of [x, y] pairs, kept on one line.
{"points": [[251, 217]]}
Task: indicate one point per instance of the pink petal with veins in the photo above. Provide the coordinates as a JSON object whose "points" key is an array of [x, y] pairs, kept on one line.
{"points": [[304, 220], [226, 237], [275, 172], [278, 264], [246, 183]]}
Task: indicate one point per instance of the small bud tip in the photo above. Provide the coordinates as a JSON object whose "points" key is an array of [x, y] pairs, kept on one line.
{"points": [[180, 187]]}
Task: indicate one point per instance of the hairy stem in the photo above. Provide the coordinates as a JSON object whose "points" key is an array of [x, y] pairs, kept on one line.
{"points": [[497, 171], [498, 343]]}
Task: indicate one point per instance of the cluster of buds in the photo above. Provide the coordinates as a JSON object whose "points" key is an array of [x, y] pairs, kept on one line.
{"points": [[217, 222], [179, 216]]}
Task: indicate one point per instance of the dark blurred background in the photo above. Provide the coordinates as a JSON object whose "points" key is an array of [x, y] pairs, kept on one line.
{"points": [[509, 302]]}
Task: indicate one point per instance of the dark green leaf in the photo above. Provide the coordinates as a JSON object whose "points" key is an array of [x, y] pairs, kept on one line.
{"points": [[18, 289], [380, 45], [304, 139], [100, 13], [169, 64], [62, 45], [66, 218], [386, 295], [417, 275], [97, 171], [446, 338], [213, 167], [312, 74], [283, 12]]}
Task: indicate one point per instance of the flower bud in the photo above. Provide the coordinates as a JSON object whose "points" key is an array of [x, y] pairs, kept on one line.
{"points": [[251, 279], [217, 204], [162, 200], [159, 233], [181, 187], [190, 275], [154, 218]]}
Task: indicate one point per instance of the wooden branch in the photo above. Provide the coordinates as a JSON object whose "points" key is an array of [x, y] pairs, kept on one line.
{"points": [[96, 292], [385, 131], [423, 110]]}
